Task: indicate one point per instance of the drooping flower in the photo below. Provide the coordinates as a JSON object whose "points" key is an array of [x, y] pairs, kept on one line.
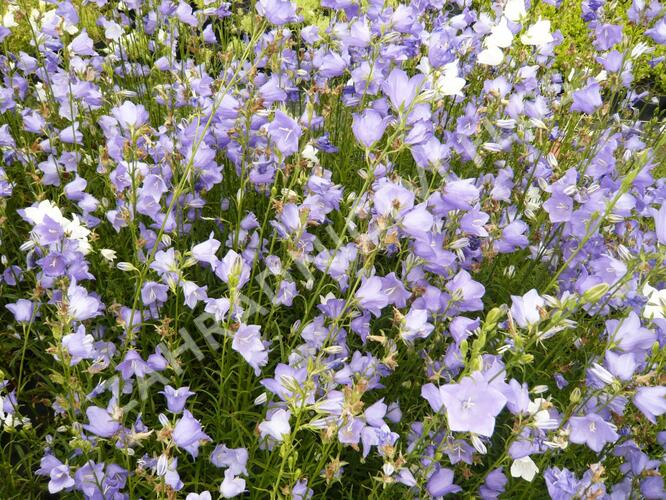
{"points": [[232, 485], [278, 12], [651, 401], [205, 251], [101, 423], [607, 35], [494, 485], [233, 458], [368, 127], [188, 434], [588, 99], [82, 45], [526, 310], [60, 479], [247, 341], [133, 365], [658, 31], [440, 483], [628, 335], [561, 482], [23, 310], [524, 467], [79, 345], [276, 425], [204, 495], [82, 305]]}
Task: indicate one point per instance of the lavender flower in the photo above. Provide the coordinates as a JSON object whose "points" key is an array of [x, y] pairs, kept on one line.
{"points": [[471, 405], [188, 434], [592, 430], [176, 398]]}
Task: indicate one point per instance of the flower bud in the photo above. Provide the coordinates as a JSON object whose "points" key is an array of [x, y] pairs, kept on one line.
{"points": [[126, 266], [575, 395], [594, 294]]}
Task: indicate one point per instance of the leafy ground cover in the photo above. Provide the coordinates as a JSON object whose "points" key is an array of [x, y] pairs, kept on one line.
{"points": [[332, 250]]}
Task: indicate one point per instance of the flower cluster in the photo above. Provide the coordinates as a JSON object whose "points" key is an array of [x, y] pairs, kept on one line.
{"points": [[396, 252]]}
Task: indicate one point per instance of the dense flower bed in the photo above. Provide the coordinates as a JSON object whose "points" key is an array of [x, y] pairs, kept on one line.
{"points": [[396, 253]]}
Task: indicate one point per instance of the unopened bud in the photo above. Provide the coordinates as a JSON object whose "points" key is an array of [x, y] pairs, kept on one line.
{"points": [[595, 293], [126, 266], [575, 395]]}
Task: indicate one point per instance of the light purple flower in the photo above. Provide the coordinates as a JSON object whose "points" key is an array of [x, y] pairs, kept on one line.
{"points": [[393, 198], [60, 479], [368, 127], [153, 292], [658, 31], [188, 434], [204, 495], [218, 308], [232, 485], [401, 89], [440, 483], [471, 405], [285, 132], [371, 296], [233, 270], [415, 325], [588, 99], [247, 341], [591, 430], [130, 116], [628, 335], [101, 423], [660, 224], [233, 458], [276, 425], [82, 306], [79, 345], [465, 292], [82, 45], [23, 310], [133, 365], [651, 401], [607, 35], [176, 398], [205, 251], [278, 12], [285, 294], [559, 208]]}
